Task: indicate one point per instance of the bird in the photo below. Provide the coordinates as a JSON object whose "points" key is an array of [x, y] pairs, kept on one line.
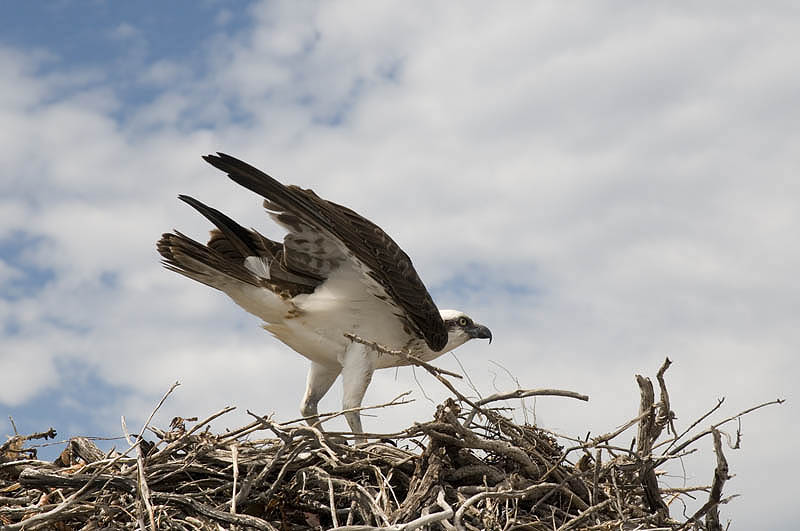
{"points": [[334, 276]]}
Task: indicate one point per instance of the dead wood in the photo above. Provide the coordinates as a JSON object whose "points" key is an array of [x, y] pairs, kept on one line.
{"points": [[470, 467]]}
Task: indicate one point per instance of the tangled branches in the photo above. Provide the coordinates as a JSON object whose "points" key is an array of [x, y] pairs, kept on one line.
{"points": [[470, 467]]}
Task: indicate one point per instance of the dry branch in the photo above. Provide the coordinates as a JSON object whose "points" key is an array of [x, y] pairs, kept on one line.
{"points": [[468, 468]]}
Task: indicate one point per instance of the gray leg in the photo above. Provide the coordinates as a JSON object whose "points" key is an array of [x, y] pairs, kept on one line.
{"points": [[320, 379], [356, 375]]}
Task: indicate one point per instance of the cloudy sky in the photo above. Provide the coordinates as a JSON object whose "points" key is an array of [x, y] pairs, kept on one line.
{"points": [[603, 184]]}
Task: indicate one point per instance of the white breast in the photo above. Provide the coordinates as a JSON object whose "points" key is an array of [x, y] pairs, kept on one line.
{"points": [[342, 304]]}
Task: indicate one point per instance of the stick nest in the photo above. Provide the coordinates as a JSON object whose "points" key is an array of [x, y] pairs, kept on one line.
{"points": [[471, 467]]}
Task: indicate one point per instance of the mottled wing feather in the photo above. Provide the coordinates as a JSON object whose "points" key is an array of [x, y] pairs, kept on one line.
{"points": [[306, 250], [375, 253]]}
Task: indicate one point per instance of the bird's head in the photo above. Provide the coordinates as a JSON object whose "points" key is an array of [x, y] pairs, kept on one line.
{"points": [[461, 328]]}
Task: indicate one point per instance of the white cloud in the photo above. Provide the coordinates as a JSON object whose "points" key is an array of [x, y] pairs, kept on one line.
{"points": [[631, 168], [165, 72], [31, 364]]}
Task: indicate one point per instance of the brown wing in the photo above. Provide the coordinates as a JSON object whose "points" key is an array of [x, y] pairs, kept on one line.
{"points": [[228, 251], [376, 253]]}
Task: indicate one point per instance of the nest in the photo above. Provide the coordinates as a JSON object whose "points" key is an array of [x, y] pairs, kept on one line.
{"points": [[471, 467]]}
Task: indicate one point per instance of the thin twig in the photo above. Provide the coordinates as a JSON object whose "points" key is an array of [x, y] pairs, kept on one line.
{"points": [[143, 491], [64, 505], [235, 457], [713, 427]]}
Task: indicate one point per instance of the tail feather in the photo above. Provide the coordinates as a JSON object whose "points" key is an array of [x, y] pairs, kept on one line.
{"points": [[232, 252], [199, 262], [194, 260]]}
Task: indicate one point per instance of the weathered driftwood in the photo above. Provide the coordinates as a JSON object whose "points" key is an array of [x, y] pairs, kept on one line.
{"points": [[470, 467]]}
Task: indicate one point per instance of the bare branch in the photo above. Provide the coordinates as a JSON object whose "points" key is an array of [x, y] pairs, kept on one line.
{"points": [[450, 472]]}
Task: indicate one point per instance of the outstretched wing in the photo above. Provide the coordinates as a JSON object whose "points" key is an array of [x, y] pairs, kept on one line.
{"points": [[316, 224]]}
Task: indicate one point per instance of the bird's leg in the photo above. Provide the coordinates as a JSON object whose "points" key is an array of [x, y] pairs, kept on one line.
{"points": [[320, 379], [357, 369]]}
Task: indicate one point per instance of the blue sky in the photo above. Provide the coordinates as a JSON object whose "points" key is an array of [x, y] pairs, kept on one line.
{"points": [[78, 31], [603, 186]]}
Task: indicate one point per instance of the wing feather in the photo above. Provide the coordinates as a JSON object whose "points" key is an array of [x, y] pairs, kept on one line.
{"points": [[382, 260]]}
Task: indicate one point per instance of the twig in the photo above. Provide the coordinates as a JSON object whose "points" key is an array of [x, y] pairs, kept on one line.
{"points": [[143, 490], [672, 442], [161, 454], [648, 432], [158, 406], [332, 502], [325, 417], [410, 358], [426, 520], [713, 427], [665, 416], [16, 439], [709, 509], [235, 456], [413, 360], [584, 515], [522, 393], [541, 488], [64, 505], [601, 439], [239, 519]]}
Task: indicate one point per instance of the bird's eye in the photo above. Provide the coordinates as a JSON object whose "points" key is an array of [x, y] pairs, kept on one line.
{"points": [[463, 321]]}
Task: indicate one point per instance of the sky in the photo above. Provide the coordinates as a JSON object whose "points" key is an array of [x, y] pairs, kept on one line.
{"points": [[603, 184]]}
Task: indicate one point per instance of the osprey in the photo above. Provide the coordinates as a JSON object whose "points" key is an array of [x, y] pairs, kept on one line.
{"points": [[335, 273]]}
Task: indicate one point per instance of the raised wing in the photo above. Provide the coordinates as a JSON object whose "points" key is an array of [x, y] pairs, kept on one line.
{"points": [[235, 252], [375, 253]]}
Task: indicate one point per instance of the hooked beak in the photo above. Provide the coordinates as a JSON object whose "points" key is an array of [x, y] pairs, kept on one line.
{"points": [[480, 332]]}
